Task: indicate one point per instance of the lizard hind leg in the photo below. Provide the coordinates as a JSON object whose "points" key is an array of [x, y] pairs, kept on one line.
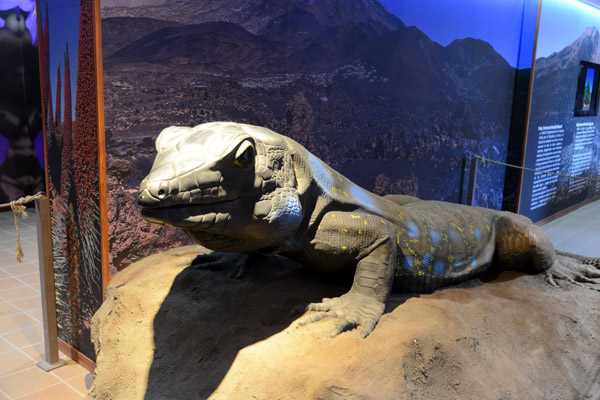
{"points": [[523, 246]]}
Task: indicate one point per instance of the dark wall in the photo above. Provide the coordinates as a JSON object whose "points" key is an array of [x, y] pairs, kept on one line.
{"points": [[21, 140]]}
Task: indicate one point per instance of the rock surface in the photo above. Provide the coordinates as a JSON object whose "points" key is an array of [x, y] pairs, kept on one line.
{"points": [[168, 330]]}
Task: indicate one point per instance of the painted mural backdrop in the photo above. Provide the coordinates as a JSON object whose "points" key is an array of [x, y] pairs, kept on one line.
{"points": [[558, 141], [21, 140], [68, 67], [374, 97]]}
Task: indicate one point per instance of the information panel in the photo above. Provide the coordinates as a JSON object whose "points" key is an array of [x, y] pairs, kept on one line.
{"points": [[563, 143], [547, 159]]}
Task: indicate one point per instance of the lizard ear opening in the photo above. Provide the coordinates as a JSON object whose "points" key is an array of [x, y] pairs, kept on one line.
{"points": [[244, 156]]}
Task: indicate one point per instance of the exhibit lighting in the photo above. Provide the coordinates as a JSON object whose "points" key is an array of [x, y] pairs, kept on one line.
{"points": [[27, 6], [584, 6], [594, 3]]}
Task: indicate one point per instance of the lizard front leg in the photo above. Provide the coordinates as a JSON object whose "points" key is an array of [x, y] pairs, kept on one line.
{"points": [[364, 304]]}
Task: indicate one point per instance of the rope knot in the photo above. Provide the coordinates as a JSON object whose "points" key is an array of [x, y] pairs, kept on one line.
{"points": [[18, 207]]}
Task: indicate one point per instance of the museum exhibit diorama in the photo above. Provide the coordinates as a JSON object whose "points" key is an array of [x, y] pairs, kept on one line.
{"points": [[296, 199]]}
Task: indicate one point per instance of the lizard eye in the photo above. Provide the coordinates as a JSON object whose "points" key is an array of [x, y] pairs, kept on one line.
{"points": [[245, 156]]}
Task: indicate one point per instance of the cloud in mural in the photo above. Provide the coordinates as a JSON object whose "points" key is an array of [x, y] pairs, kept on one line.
{"points": [[4, 147], [25, 6]]}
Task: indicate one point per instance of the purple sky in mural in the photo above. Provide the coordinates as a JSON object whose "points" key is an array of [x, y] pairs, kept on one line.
{"points": [[4, 147], [498, 22], [39, 149], [60, 34]]}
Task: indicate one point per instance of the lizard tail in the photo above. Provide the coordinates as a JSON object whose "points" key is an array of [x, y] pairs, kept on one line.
{"points": [[595, 261]]}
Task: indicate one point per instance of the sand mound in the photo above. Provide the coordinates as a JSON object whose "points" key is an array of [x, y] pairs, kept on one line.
{"points": [[171, 331]]}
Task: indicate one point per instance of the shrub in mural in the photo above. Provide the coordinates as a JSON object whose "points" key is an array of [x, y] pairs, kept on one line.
{"points": [[73, 177]]}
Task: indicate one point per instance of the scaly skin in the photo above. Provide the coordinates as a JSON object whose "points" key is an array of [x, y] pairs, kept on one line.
{"points": [[241, 188]]}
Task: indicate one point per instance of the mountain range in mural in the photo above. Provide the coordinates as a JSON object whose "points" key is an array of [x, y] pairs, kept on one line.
{"points": [[556, 75], [377, 100]]}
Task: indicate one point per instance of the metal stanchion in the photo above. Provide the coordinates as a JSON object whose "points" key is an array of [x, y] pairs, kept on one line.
{"points": [[44, 236], [472, 181]]}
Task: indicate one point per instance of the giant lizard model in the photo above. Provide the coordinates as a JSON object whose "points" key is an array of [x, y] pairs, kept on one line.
{"points": [[241, 188]]}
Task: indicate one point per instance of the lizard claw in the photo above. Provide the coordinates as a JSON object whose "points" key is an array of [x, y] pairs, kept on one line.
{"points": [[550, 280], [573, 272], [355, 309]]}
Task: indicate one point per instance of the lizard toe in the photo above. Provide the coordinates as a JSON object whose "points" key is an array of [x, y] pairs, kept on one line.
{"points": [[345, 325], [316, 317], [356, 310]]}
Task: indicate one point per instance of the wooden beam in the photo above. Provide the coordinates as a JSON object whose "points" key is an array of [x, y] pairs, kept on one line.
{"points": [[101, 147]]}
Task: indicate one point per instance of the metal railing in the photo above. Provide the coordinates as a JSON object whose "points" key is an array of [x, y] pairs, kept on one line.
{"points": [[473, 174]]}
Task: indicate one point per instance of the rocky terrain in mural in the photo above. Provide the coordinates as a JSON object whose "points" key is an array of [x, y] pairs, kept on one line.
{"points": [[379, 101]]}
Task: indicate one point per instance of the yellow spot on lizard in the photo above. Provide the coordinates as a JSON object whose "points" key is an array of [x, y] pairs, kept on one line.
{"points": [[458, 227]]}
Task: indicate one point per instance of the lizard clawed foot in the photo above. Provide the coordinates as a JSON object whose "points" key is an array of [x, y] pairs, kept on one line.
{"points": [[573, 272], [355, 309]]}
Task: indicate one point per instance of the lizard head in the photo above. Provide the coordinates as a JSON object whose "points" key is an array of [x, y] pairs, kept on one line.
{"points": [[229, 186]]}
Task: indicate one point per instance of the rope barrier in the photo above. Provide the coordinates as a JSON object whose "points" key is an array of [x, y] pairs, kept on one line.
{"points": [[484, 160], [18, 207]]}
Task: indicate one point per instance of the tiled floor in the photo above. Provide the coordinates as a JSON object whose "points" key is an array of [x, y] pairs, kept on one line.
{"points": [[21, 336], [577, 232]]}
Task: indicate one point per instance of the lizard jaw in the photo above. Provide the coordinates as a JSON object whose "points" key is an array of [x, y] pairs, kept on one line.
{"points": [[212, 216]]}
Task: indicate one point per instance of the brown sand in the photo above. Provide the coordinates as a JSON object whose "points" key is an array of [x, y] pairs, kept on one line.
{"points": [[169, 331]]}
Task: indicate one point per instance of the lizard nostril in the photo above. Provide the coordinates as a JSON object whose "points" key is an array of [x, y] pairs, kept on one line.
{"points": [[161, 193]]}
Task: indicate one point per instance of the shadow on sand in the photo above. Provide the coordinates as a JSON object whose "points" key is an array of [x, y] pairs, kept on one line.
{"points": [[208, 317]]}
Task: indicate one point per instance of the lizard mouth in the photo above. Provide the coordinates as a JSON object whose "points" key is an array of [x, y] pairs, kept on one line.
{"points": [[198, 216]]}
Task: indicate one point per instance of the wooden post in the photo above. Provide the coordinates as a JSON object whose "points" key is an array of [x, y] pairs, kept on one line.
{"points": [[44, 236], [472, 181]]}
